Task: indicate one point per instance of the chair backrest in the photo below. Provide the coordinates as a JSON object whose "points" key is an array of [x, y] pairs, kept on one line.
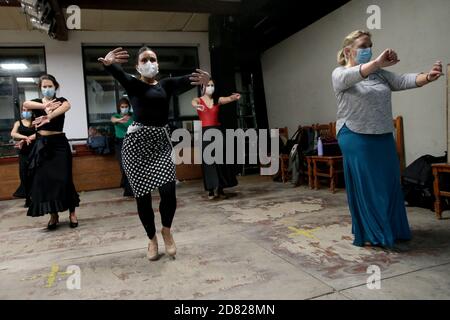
{"points": [[333, 129], [324, 130], [283, 132], [399, 141]]}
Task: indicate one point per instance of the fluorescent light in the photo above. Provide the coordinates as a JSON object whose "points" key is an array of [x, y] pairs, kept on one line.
{"points": [[30, 3], [25, 80], [41, 26], [34, 13], [13, 66]]}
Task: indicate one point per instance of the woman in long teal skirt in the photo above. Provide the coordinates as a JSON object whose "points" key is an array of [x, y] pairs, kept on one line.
{"points": [[364, 130]]}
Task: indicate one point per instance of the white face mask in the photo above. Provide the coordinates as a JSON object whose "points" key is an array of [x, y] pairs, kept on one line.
{"points": [[209, 90], [148, 69]]}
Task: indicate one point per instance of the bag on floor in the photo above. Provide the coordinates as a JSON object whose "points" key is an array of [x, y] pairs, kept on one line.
{"points": [[287, 148], [331, 147], [307, 144], [417, 182]]}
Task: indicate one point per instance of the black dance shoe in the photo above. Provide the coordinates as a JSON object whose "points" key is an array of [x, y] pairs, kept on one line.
{"points": [[52, 226], [73, 224]]}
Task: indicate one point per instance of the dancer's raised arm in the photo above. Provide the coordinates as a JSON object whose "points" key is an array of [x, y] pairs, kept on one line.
{"points": [[112, 62]]}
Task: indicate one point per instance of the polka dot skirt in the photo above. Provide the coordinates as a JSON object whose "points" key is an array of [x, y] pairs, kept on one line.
{"points": [[147, 158]]}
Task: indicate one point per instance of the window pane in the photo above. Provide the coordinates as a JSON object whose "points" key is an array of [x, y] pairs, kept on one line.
{"points": [[22, 61], [28, 89], [6, 116], [20, 68]]}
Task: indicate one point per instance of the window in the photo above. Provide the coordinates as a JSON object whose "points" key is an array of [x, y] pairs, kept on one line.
{"points": [[20, 69], [103, 91]]}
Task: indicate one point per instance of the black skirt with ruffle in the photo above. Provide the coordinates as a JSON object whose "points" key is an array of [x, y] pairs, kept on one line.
{"points": [[50, 176], [217, 175]]}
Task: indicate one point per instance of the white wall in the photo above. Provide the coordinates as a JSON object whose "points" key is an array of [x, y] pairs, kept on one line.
{"points": [[297, 71], [64, 60]]}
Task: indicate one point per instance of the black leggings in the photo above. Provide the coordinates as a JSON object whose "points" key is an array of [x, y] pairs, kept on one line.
{"points": [[167, 207]]}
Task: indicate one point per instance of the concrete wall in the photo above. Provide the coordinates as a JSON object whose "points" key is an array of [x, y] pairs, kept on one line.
{"points": [[64, 60], [297, 71]]}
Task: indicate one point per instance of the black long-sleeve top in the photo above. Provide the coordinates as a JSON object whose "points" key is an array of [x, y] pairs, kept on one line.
{"points": [[150, 102]]}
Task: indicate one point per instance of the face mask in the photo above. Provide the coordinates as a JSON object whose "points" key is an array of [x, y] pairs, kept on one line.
{"points": [[363, 55], [26, 114], [148, 69], [209, 90], [48, 92], [124, 110]]}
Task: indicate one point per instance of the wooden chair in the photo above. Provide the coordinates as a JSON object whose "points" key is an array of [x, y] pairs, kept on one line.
{"points": [[439, 168], [303, 170], [284, 158], [332, 164], [399, 141]]}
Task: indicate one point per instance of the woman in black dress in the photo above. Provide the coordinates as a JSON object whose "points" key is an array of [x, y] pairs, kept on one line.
{"points": [[147, 149], [25, 133], [50, 161], [216, 176]]}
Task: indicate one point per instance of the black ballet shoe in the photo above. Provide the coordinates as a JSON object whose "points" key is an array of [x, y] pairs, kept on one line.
{"points": [[221, 194], [73, 224], [53, 226]]}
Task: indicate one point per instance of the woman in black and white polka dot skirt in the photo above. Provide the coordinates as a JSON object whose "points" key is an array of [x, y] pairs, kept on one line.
{"points": [[147, 150]]}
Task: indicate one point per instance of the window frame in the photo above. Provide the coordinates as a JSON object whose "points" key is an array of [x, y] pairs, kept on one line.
{"points": [[15, 86]]}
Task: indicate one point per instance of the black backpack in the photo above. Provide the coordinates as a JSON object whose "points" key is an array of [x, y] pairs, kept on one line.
{"points": [[307, 142], [286, 148], [417, 182]]}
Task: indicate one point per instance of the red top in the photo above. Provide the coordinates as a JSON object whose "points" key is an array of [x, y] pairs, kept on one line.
{"points": [[209, 116]]}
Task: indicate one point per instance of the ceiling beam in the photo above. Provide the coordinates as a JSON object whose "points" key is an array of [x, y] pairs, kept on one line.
{"points": [[228, 7], [193, 6], [9, 3]]}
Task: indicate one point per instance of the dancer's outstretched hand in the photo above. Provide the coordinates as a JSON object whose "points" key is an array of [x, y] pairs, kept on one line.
{"points": [[435, 72], [28, 141], [40, 121], [387, 58], [20, 144], [199, 77], [118, 55], [124, 119], [200, 107], [235, 96]]}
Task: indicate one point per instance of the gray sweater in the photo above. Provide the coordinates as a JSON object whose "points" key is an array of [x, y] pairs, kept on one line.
{"points": [[364, 104]]}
